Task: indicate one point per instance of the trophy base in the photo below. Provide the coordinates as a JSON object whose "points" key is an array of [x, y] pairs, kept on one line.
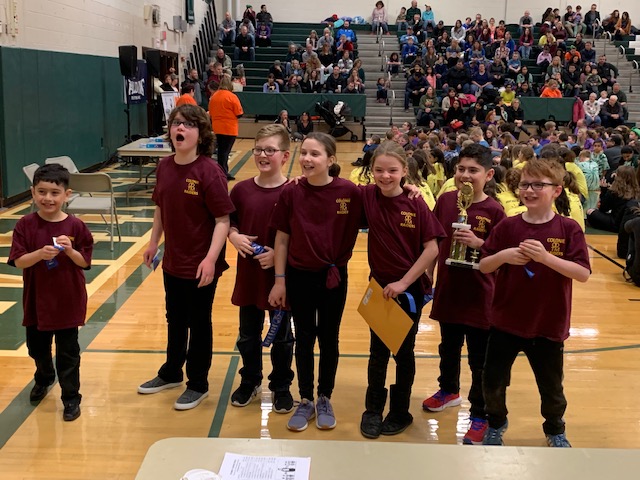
{"points": [[462, 264]]}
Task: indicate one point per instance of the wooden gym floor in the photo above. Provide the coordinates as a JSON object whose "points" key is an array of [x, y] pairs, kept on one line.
{"points": [[124, 339]]}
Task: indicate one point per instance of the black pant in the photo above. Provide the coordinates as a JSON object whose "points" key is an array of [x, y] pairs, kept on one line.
{"points": [[546, 360], [225, 144], [602, 221], [405, 358], [189, 331], [67, 360], [250, 348], [317, 312], [450, 350]]}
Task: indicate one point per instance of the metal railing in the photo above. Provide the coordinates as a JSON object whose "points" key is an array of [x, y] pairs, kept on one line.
{"points": [[637, 69], [378, 34], [604, 49], [622, 52], [595, 26], [204, 41], [392, 104]]}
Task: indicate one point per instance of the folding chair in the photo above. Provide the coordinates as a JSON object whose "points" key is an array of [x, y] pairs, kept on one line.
{"points": [[29, 170], [65, 161], [102, 200]]}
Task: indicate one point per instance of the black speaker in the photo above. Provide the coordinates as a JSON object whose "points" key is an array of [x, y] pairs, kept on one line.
{"points": [[128, 60], [153, 62]]}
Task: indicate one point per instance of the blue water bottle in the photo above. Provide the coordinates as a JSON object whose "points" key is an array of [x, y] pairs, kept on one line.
{"points": [[257, 249]]}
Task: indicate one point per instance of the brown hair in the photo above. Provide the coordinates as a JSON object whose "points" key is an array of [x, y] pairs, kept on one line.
{"points": [[625, 184], [391, 149], [326, 140], [196, 114], [541, 168]]}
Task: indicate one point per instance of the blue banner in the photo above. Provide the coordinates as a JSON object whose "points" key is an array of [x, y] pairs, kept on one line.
{"points": [[136, 86]]}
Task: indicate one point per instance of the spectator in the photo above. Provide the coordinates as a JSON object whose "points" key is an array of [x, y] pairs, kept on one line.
{"points": [[623, 27], [613, 151], [592, 111], [588, 54], [295, 69], [249, 15], [347, 31], [382, 86], [458, 78], [622, 98], [481, 81], [250, 27], [224, 60], [313, 39], [401, 20], [524, 76], [458, 32], [409, 34], [590, 79], [428, 18], [271, 86], [308, 52], [345, 64], [264, 17], [225, 110], [409, 51], [413, 10], [379, 18], [551, 90], [515, 113], [578, 20], [393, 64], [514, 66], [325, 39], [609, 23], [278, 73], [525, 89], [591, 19], [525, 22], [198, 86], [611, 113], [335, 81], [227, 31], [416, 87], [245, 48], [605, 69], [311, 82], [292, 85], [525, 43], [544, 58], [187, 96], [214, 78], [263, 35]]}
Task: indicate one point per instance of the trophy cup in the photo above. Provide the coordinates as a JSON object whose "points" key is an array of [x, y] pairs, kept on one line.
{"points": [[458, 252]]}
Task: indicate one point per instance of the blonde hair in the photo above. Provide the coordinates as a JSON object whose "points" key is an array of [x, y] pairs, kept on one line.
{"points": [[390, 149], [275, 130]]}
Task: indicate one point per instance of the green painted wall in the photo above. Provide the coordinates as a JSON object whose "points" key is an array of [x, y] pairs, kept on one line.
{"points": [[54, 103]]}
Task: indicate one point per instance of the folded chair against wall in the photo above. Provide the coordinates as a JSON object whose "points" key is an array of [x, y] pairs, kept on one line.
{"points": [[29, 170], [101, 200], [65, 161]]}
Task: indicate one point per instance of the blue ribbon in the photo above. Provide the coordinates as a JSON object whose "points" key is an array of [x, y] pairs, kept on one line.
{"points": [[412, 302]]}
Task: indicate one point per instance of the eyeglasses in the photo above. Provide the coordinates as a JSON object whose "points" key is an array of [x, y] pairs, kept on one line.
{"points": [[535, 186], [186, 123], [269, 152]]}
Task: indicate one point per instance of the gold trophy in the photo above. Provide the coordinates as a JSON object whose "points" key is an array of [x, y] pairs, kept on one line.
{"points": [[458, 252]]}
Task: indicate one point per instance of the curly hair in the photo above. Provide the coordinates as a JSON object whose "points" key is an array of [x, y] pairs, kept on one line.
{"points": [[194, 113]]}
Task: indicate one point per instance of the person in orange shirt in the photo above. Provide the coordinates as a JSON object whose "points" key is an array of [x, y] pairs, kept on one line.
{"points": [[551, 90], [225, 109], [187, 96]]}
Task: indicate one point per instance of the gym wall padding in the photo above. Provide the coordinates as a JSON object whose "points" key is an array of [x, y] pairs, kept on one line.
{"points": [[53, 104]]}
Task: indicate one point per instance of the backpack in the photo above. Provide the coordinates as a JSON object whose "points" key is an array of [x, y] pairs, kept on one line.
{"points": [[631, 272]]}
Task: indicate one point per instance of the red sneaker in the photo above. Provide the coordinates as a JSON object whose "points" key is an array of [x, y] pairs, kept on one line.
{"points": [[475, 435], [441, 400]]}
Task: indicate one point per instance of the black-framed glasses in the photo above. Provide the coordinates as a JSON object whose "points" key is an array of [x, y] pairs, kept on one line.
{"points": [[186, 123], [269, 152], [535, 186]]}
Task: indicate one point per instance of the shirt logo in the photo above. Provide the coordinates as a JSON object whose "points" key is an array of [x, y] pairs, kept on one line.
{"points": [[556, 244], [482, 224], [191, 187], [343, 208], [408, 219]]}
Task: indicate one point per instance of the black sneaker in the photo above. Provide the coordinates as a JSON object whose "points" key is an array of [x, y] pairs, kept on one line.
{"points": [[371, 424], [38, 392], [244, 394], [357, 163], [282, 402], [71, 411], [230, 177], [395, 423]]}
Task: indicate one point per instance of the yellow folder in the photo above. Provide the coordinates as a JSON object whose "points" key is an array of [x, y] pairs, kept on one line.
{"points": [[385, 317]]}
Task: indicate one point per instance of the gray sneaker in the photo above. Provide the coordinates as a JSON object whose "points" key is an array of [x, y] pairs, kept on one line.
{"points": [[156, 385], [325, 419], [190, 399], [300, 418]]}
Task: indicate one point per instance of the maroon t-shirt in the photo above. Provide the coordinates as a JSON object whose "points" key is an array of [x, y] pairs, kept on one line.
{"points": [[538, 305], [462, 295], [322, 223], [254, 205], [398, 229], [56, 298], [190, 198]]}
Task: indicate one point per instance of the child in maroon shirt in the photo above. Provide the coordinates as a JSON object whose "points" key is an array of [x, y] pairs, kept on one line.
{"points": [[402, 246], [255, 200], [192, 209], [317, 222], [54, 295], [535, 253], [462, 297]]}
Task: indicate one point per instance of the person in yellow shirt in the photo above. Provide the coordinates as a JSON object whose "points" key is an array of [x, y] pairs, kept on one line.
{"points": [[414, 177], [362, 175], [508, 191]]}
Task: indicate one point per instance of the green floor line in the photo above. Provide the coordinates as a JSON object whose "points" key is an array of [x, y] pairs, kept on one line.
{"points": [[236, 168], [20, 408], [225, 395], [293, 160]]}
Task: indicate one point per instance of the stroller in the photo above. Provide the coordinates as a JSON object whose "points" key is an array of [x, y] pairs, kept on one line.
{"points": [[334, 116]]}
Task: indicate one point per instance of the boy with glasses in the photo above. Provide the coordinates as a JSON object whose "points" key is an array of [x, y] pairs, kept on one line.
{"points": [[537, 255], [254, 200]]}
